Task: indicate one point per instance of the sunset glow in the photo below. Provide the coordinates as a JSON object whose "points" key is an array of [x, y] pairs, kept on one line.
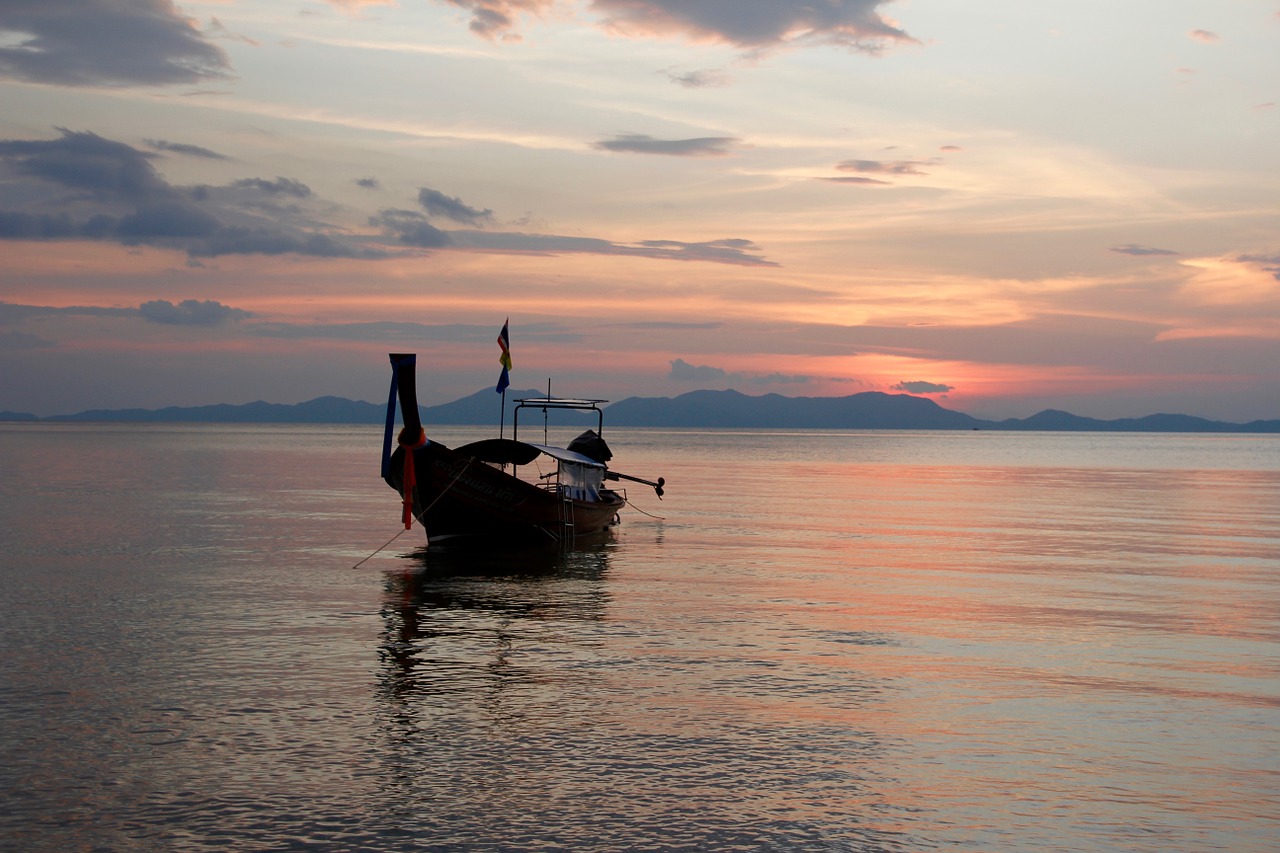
{"points": [[1003, 207]]}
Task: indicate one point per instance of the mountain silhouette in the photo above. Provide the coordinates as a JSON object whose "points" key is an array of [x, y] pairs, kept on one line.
{"points": [[695, 409]]}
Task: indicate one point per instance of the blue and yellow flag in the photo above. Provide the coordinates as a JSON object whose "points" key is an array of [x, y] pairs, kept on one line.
{"points": [[504, 341]]}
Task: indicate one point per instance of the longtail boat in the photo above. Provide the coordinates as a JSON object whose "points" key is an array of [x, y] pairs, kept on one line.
{"points": [[494, 492]]}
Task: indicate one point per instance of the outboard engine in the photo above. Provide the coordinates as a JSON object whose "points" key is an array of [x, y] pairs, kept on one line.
{"points": [[591, 445]]}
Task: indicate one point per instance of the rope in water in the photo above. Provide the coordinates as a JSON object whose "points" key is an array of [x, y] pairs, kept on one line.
{"points": [[418, 516], [642, 512]]}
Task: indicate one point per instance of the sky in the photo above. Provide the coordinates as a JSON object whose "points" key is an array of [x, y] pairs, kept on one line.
{"points": [[999, 205]]}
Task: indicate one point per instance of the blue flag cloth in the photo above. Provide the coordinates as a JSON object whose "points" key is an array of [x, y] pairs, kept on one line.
{"points": [[504, 341]]}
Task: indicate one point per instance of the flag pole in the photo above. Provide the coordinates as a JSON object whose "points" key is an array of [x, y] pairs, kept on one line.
{"points": [[504, 342]]}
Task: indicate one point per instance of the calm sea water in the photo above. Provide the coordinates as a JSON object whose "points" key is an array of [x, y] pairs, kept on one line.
{"points": [[859, 641]]}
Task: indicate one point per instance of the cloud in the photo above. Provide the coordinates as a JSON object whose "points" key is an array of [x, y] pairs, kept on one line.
{"points": [[417, 332], [93, 188], [182, 148], [638, 143], [190, 312], [378, 331], [1205, 36], [13, 341], [437, 203], [496, 19], [369, 183], [410, 228], [727, 251], [81, 186], [666, 325], [921, 387], [704, 79], [1133, 249], [755, 24], [734, 251], [780, 379], [280, 186], [683, 371], [881, 167], [1270, 264], [861, 181], [11, 312], [87, 163], [104, 43]]}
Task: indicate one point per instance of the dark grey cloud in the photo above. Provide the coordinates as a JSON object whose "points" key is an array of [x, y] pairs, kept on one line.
{"points": [[280, 186], [183, 148], [106, 190], [190, 312], [88, 163], [638, 143], [410, 228], [369, 183], [921, 387], [104, 43], [436, 203], [1132, 249], [854, 24]]}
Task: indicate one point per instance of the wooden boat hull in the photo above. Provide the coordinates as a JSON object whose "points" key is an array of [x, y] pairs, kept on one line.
{"points": [[461, 500]]}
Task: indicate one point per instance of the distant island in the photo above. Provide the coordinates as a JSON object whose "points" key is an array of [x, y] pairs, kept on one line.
{"points": [[696, 409]]}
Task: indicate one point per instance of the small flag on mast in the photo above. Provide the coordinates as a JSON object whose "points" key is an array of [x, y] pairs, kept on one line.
{"points": [[504, 341]]}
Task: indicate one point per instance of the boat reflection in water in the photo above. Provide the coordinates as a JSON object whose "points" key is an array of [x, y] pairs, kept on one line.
{"points": [[455, 622]]}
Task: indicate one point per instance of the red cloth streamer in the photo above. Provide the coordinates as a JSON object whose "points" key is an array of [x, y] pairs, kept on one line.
{"points": [[410, 478], [409, 483]]}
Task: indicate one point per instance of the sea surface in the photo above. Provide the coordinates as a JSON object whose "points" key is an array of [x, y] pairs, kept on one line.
{"points": [[212, 639]]}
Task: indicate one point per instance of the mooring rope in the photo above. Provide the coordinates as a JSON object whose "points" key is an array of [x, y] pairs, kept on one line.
{"points": [[642, 512], [418, 516]]}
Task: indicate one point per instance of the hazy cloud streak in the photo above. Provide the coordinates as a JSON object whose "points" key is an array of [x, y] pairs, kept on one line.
{"points": [[1132, 249], [638, 143], [182, 148], [921, 387]]}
